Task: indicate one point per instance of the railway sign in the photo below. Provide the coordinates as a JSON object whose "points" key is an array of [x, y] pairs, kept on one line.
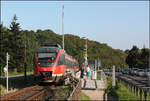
{"points": [[85, 55]]}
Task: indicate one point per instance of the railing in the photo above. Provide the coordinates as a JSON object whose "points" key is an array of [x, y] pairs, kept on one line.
{"points": [[103, 78], [75, 95], [140, 89]]}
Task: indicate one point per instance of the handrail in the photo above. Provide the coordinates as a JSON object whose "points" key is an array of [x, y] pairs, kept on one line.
{"points": [[103, 77]]}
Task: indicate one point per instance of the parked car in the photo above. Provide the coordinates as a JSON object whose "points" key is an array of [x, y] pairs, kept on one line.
{"points": [[132, 72], [125, 71], [147, 72], [141, 72]]}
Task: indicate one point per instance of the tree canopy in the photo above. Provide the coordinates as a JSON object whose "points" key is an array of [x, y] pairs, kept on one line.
{"points": [[138, 58], [12, 41]]}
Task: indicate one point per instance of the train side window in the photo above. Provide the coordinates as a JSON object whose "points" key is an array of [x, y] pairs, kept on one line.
{"points": [[63, 57], [60, 61]]}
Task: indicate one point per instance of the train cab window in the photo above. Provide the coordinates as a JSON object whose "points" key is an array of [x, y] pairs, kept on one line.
{"points": [[61, 60], [46, 59]]}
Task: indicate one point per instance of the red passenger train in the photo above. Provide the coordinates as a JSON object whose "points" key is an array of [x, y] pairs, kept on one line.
{"points": [[51, 63]]}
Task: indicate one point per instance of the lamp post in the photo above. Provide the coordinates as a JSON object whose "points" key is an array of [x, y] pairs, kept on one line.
{"points": [[86, 60]]}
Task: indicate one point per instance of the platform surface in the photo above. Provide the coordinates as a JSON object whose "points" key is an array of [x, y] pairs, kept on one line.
{"points": [[94, 89], [92, 84]]}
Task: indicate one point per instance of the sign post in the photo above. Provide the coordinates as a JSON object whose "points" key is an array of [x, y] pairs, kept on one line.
{"points": [[7, 58]]}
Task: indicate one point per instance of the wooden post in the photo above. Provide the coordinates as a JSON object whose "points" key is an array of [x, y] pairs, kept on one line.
{"points": [[145, 95], [140, 94], [136, 91]]}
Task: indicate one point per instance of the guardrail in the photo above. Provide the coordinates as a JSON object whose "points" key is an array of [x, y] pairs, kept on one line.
{"points": [[141, 90], [103, 78], [75, 95]]}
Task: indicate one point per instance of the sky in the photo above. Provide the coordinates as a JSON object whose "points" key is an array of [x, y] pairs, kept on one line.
{"points": [[119, 24]]}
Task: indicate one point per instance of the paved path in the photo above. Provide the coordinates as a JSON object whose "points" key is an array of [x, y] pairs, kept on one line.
{"points": [[93, 88], [92, 84]]}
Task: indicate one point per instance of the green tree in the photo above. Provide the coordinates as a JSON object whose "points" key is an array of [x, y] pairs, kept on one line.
{"points": [[16, 46], [133, 56], [145, 57]]}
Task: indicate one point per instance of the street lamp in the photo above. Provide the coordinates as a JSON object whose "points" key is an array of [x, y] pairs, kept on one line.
{"points": [[85, 56]]}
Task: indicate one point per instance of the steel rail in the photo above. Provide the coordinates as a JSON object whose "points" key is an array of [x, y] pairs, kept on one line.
{"points": [[37, 95], [7, 97]]}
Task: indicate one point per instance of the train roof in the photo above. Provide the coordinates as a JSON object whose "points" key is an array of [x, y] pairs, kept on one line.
{"points": [[50, 45]]}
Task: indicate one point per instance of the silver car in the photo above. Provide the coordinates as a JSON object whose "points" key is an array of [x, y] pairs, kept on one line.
{"points": [[141, 72], [133, 70], [147, 72]]}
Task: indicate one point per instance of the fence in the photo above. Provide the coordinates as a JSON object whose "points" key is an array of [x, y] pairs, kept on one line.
{"points": [[75, 95], [141, 90], [137, 88]]}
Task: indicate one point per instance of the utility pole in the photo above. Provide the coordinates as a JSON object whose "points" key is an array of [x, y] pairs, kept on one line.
{"points": [[63, 26], [86, 60], [25, 65]]}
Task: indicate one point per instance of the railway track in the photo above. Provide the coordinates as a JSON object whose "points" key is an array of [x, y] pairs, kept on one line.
{"points": [[46, 91], [24, 94]]}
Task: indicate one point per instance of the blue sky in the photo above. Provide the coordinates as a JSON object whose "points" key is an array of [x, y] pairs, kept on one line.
{"points": [[119, 24]]}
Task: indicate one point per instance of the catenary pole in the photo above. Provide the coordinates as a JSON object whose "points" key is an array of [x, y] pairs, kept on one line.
{"points": [[63, 26]]}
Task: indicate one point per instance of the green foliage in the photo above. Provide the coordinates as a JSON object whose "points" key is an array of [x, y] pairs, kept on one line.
{"points": [[120, 92], [12, 41], [15, 45], [138, 58]]}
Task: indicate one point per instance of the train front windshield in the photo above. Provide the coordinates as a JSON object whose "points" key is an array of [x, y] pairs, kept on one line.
{"points": [[46, 56]]}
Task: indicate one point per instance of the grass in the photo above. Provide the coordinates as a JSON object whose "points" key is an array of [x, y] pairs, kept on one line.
{"points": [[84, 97], [18, 73], [64, 92], [120, 92], [98, 76]]}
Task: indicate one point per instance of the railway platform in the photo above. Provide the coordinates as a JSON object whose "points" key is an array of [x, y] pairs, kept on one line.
{"points": [[88, 84], [94, 89]]}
